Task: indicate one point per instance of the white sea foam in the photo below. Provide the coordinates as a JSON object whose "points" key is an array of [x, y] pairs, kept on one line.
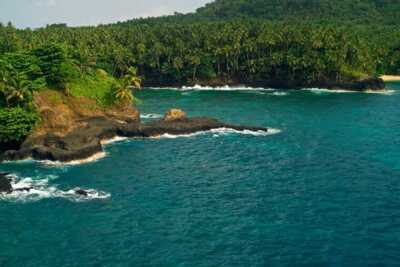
{"points": [[279, 93], [90, 159], [29, 189], [21, 161], [150, 116], [221, 132], [382, 92], [324, 90], [276, 92], [113, 140], [210, 88]]}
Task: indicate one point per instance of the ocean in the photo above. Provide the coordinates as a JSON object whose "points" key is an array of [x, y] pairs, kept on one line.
{"points": [[320, 189]]}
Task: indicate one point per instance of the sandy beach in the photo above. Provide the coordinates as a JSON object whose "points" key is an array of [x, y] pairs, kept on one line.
{"points": [[391, 78]]}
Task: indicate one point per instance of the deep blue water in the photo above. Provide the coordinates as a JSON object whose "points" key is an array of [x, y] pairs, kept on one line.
{"points": [[323, 192]]}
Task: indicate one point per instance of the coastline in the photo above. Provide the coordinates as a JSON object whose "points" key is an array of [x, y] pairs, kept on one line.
{"points": [[364, 84], [82, 132], [86, 144]]}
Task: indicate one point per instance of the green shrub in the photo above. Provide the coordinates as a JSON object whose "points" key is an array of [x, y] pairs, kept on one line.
{"points": [[95, 85], [16, 124]]}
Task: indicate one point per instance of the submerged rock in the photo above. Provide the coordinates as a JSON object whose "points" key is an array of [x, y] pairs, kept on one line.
{"points": [[5, 183]]}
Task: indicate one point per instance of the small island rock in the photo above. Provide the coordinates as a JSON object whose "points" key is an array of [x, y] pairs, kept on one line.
{"points": [[175, 115]]}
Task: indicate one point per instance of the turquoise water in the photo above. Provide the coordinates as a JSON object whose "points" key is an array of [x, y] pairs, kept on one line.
{"points": [[322, 192]]}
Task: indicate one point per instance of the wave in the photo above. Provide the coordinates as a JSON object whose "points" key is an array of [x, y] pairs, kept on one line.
{"points": [[279, 93], [324, 90], [30, 190], [116, 139], [383, 92], [211, 88], [94, 158], [275, 92], [150, 116], [221, 132]]}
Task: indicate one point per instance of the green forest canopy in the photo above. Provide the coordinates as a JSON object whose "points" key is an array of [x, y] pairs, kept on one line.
{"points": [[356, 11]]}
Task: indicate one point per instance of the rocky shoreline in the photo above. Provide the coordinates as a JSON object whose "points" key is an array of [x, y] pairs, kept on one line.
{"points": [[84, 142]]}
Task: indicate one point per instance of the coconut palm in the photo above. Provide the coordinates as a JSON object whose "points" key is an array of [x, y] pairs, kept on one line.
{"points": [[131, 79], [123, 92], [16, 89]]}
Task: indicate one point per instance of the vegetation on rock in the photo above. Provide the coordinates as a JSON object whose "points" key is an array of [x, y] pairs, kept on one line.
{"points": [[16, 124]]}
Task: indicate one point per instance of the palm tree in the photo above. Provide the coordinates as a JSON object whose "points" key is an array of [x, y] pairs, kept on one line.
{"points": [[132, 79], [16, 88], [123, 93]]}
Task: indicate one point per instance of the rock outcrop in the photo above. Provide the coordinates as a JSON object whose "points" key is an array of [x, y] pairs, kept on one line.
{"points": [[5, 184], [363, 84], [175, 115]]}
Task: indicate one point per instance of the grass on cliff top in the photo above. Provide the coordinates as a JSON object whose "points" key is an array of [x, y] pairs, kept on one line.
{"points": [[97, 85]]}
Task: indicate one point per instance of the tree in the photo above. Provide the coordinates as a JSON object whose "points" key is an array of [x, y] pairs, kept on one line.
{"points": [[57, 66], [16, 124], [15, 88], [123, 92]]}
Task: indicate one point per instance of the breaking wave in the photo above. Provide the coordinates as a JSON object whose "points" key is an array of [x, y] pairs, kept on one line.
{"points": [[275, 92], [323, 91], [116, 139], [94, 158], [280, 93], [210, 88], [30, 190], [221, 132], [150, 116]]}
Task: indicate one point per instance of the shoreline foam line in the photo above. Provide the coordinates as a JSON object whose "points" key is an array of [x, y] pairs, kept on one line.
{"points": [[211, 88], [324, 90], [276, 92], [220, 132]]}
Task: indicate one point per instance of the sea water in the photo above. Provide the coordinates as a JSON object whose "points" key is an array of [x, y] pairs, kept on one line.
{"points": [[322, 188]]}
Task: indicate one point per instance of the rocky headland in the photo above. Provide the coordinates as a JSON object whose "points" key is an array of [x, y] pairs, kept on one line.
{"points": [[75, 128]]}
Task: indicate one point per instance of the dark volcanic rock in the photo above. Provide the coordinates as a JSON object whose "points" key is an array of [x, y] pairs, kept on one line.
{"points": [[184, 126], [23, 189], [86, 141], [5, 184], [81, 192], [366, 84]]}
